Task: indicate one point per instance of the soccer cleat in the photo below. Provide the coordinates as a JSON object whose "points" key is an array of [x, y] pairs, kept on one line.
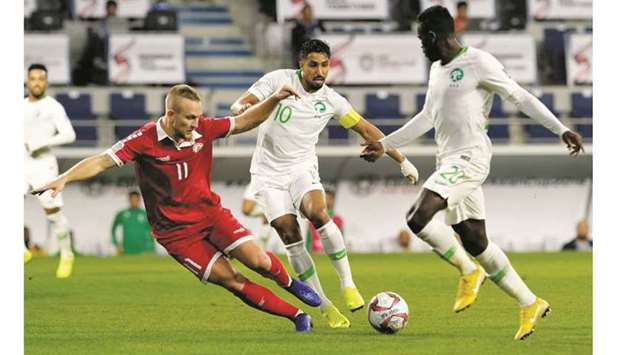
{"points": [[469, 286], [530, 315], [27, 256], [353, 299], [304, 292], [65, 267], [303, 323], [335, 319]]}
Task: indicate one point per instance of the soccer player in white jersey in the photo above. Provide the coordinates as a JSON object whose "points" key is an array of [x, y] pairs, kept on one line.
{"points": [[284, 167], [45, 125], [462, 83]]}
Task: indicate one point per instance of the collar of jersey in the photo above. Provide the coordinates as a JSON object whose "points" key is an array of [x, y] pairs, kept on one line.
{"points": [[161, 134], [462, 51]]}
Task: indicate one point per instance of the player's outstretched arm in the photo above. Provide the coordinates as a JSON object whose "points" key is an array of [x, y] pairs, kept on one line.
{"points": [[533, 108], [83, 170], [258, 113], [243, 103], [371, 133]]}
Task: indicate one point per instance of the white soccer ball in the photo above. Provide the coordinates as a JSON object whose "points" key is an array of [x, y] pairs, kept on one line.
{"points": [[388, 312]]}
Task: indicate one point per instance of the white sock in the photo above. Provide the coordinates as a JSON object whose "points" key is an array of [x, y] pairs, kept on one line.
{"points": [[496, 264], [303, 265], [441, 238], [60, 230], [333, 244]]}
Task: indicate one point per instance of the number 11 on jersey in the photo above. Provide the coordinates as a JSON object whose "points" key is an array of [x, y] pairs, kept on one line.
{"points": [[182, 170]]}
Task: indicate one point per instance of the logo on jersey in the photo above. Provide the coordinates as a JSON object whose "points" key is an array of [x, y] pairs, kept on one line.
{"points": [[457, 75], [319, 107], [166, 158], [197, 147]]}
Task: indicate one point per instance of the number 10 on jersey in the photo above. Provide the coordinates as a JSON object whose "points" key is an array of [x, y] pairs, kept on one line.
{"points": [[283, 113]]}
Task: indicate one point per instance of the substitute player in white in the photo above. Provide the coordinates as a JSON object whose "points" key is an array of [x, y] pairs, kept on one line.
{"points": [[46, 125], [461, 86], [285, 173]]}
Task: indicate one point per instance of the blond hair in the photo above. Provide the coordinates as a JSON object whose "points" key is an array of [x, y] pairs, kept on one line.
{"points": [[181, 91]]}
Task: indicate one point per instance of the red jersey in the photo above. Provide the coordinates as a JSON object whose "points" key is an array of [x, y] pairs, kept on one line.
{"points": [[175, 179]]}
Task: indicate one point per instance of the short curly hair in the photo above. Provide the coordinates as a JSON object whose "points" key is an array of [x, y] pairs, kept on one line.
{"points": [[314, 46]]}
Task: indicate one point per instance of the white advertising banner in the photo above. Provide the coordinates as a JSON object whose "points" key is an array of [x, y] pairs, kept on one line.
{"points": [[335, 9], [376, 59], [476, 8], [579, 59], [560, 9], [96, 8], [373, 215], [29, 7], [517, 52], [52, 50], [146, 59]]}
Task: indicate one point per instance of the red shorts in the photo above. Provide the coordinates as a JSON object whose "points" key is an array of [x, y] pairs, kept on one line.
{"points": [[198, 252]]}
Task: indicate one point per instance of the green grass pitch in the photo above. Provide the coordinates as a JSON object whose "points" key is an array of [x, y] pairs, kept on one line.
{"points": [[151, 305]]}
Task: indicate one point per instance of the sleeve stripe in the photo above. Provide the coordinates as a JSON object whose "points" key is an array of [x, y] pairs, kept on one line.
{"points": [[117, 161], [232, 126], [350, 119]]}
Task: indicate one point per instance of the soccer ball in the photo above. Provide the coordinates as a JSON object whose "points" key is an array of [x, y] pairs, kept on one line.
{"points": [[388, 312]]}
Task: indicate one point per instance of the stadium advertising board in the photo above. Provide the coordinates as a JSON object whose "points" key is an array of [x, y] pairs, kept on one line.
{"points": [[560, 9], [96, 8], [376, 59], [146, 59], [517, 52], [335, 9], [476, 8], [52, 50], [579, 59]]}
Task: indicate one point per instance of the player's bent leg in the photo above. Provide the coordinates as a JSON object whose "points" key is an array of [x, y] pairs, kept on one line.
{"points": [[269, 266], [422, 212], [502, 273], [437, 234], [288, 229], [313, 206], [222, 273], [60, 229]]}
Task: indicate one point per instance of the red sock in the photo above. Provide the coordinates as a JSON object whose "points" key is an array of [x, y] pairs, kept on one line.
{"points": [[263, 299], [277, 272]]}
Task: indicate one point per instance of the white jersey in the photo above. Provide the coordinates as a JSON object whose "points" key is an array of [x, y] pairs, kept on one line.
{"points": [[45, 124], [287, 140], [458, 102]]}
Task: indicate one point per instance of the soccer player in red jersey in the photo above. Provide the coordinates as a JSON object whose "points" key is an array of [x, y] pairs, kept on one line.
{"points": [[172, 159]]}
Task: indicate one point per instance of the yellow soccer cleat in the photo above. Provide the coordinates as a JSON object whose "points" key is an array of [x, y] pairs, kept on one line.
{"points": [[352, 298], [530, 315], [335, 319], [469, 286], [27, 256], [65, 267]]}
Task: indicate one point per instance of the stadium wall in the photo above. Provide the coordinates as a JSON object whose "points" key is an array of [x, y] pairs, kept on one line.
{"points": [[531, 215]]}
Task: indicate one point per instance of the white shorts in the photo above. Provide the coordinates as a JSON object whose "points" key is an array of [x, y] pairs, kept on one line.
{"points": [[282, 195], [459, 180], [39, 172]]}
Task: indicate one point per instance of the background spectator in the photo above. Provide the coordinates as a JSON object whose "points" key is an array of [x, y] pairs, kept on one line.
{"points": [[136, 236], [581, 242], [461, 20], [306, 27]]}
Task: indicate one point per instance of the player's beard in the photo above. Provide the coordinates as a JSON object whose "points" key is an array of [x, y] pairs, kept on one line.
{"points": [[37, 93], [317, 85], [432, 53]]}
